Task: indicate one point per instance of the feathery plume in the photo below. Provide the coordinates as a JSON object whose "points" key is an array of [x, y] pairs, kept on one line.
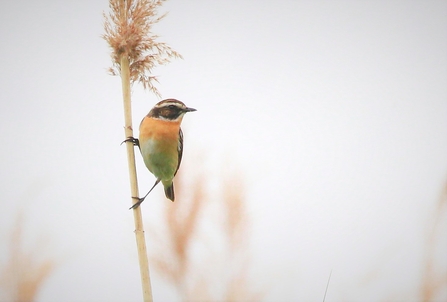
{"points": [[128, 32], [25, 271]]}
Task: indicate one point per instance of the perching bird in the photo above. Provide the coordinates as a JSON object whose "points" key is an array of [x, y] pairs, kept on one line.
{"points": [[161, 143]]}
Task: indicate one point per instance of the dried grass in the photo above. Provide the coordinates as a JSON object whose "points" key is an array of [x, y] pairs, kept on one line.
{"points": [[435, 277], [24, 273], [221, 274], [181, 227], [128, 32], [235, 224]]}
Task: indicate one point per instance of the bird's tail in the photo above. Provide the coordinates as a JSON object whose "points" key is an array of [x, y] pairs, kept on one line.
{"points": [[169, 190]]}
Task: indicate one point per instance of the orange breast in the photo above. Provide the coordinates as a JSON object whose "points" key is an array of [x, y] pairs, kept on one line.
{"points": [[159, 129], [159, 142]]}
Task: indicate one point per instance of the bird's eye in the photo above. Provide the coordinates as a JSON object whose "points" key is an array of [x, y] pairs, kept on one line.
{"points": [[171, 107]]}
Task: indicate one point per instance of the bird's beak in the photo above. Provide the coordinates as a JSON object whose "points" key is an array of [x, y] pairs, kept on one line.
{"points": [[190, 109]]}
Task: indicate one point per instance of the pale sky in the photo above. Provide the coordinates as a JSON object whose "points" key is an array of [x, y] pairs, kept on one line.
{"points": [[334, 113]]}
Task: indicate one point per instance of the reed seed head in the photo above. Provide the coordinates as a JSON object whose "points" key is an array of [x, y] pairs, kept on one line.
{"points": [[128, 32]]}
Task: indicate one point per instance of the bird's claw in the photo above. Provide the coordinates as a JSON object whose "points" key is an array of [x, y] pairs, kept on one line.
{"points": [[137, 204], [131, 139]]}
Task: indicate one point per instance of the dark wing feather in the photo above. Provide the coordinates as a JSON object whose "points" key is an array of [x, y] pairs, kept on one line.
{"points": [[179, 149]]}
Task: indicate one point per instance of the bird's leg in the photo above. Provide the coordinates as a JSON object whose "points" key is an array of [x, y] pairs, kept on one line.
{"points": [[133, 140], [140, 200]]}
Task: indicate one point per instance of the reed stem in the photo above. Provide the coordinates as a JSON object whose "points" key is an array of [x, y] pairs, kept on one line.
{"points": [[138, 220]]}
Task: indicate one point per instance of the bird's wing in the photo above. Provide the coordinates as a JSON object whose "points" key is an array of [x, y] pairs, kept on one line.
{"points": [[179, 149]]}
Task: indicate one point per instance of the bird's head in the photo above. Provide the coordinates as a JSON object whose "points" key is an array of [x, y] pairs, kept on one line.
{"points": [[169, 110]]}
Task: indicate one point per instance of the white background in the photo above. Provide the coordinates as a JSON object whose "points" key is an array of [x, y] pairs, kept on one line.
{"points": [[333, 112]]}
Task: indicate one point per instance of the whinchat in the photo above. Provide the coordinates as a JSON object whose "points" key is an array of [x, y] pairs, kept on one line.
{"points": [[161, 143]]}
